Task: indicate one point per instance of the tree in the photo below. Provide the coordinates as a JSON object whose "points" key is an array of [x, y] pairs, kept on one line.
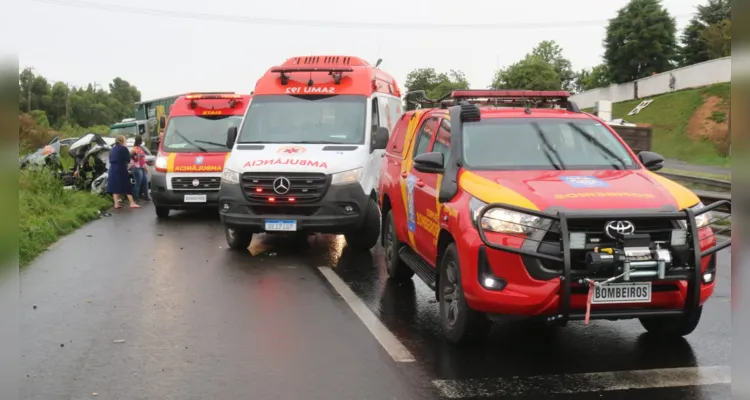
{"points": [[551, 52], [640, 41], [694, 46], [595, 78], [531, 73], [718, 39], [433, 83]]}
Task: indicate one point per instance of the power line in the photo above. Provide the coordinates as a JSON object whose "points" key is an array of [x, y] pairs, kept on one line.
{"points": [[323, 24]]}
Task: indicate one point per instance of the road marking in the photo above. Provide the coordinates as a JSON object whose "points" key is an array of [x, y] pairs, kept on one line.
{"points": [[587, 382], [390, 343]]}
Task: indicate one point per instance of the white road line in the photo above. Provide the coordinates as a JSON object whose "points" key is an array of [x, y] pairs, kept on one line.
{"points": [[587, 382], [390, 343]]}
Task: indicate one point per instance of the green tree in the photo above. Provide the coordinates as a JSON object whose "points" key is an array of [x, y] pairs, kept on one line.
{"points": [[718, 39], [640, 41], [551, 52], [595, 78], [531, 73], [433, 83], [694, 45]]}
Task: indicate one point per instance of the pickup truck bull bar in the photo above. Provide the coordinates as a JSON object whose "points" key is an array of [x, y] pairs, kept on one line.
{"points": [[689, 270]]}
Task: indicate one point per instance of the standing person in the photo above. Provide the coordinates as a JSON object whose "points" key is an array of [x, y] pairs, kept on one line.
{"points": [[118, 179], [138, 166]]}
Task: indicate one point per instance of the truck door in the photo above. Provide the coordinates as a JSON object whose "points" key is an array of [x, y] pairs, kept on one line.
{"points": [[424, 195]]}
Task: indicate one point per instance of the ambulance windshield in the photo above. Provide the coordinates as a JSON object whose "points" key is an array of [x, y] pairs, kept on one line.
{"points": [[309, 119], [192, 133]]}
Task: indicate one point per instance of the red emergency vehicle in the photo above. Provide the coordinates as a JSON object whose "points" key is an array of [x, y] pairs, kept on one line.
{"points": [[517, 203], [193, 149]]}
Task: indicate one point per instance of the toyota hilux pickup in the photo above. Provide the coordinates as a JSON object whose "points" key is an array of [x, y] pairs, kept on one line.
{"points": [[516, 203]]}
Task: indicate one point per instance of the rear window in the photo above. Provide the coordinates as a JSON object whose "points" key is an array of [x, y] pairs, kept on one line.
{"points": [[543, 144]]}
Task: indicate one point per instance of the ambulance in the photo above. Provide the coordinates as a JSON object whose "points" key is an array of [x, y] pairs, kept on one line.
{"points": [[193, 149], [308, 153]]}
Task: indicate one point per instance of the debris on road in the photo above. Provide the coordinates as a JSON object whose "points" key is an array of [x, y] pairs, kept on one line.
{"points": [[119, 341]]}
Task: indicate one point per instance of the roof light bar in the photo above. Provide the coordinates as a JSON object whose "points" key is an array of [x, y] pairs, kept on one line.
{"points": [[227, 95], [334, 71], [511, 94]]}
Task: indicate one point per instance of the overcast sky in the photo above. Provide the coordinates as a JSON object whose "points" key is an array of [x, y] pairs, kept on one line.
{"points": [[164, 54]]}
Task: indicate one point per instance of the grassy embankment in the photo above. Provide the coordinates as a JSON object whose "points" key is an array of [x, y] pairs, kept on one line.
{"points": [[48, 212]]}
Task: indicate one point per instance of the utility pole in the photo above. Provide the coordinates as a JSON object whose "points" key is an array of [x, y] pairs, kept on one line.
{"points": [[28, 89], [67, 102]]}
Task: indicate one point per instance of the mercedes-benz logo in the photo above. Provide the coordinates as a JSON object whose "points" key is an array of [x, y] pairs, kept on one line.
{"points": [[196, 182], [281, 185], [619, 228]]}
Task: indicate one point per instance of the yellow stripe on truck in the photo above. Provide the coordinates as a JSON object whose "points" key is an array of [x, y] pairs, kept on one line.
{"points": [[491, 192], [170, 162], [684, 197]]}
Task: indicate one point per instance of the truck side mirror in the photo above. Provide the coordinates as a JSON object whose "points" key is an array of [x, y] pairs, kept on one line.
{"points": [[380, 138], [430, 163], [231, 136], [652, 161]]}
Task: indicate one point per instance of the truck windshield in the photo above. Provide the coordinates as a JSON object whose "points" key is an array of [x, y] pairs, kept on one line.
{"points": [[542, 144], [126, 130], [338, 119], [193, 133]]}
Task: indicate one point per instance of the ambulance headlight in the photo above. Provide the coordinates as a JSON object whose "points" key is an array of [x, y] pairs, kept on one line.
{"points": [[347, 177], [161, 162], [503, 221], [230, 177]]}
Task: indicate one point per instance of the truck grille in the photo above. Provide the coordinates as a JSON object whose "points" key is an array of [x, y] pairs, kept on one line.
{"points": [[303, 187], [204, 183]]}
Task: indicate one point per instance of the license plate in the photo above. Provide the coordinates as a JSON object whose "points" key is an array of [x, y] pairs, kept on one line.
{"points": [[622, 293], [195, 198], [281, 225]]}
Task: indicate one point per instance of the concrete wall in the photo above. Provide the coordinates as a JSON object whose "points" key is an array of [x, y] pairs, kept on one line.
{"points": [[697, 75]]}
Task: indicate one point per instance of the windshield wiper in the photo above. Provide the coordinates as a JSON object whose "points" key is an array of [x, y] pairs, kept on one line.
{"points": [[190, 141], [548, 148], [318, 142], [211, 143], [599, 145]]}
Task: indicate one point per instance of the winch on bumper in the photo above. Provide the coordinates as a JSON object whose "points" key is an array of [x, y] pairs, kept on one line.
{"points": [[564, 248]]}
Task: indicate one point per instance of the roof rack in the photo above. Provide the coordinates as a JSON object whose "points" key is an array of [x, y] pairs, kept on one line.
{"points": [[335, 71], [231, 96]]}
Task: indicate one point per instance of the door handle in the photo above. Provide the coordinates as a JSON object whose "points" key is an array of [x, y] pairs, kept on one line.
{"points": [[404, 175], [420, 183]]}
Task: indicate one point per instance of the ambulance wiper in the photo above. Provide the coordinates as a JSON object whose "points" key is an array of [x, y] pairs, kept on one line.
{"points": [[212, 143], [190, 141], [548, 148], [598, 144], [318, 142]]}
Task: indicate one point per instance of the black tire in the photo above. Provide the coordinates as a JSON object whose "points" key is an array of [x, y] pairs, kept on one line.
{"points": [[396, 267], [461, 324], [238, 240], [367, 235], [671, 327], [162, 212]]}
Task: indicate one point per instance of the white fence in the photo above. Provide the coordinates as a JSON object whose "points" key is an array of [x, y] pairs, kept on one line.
{"points": [[696, 75]]}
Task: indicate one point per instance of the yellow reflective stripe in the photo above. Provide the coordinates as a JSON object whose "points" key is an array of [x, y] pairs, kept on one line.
{"points": [[170, 162], [491, 192], [683, 196]]}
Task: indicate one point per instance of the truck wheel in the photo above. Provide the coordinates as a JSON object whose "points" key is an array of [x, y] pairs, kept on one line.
{"points": [[678, 326], [367, 236], [396, 267], [162, 212], [461, 324], [238, 240]]}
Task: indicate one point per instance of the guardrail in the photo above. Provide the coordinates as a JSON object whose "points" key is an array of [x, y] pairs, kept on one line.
{"points": [[712, 197], [720, 184]]}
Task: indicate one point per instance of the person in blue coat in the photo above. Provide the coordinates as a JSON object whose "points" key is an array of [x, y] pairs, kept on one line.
{"points": [[118, 178]]}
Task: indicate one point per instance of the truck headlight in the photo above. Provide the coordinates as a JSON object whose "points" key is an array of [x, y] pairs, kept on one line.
{"points": [[702, 220], [230, 177], [346, 177], [161, 162], [503, 221]]}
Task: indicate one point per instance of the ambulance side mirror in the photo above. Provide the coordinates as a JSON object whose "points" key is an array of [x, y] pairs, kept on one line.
{"points": [[380, 138], [162, 121], [231, 136], [652, 161]]}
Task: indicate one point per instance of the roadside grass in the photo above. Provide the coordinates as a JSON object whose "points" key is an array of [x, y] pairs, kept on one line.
{"points": [[669, 115], [698, 174], [48, 212]]}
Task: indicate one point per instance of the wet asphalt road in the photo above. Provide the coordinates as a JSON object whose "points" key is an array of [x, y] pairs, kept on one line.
{"points": [[201, 322]]}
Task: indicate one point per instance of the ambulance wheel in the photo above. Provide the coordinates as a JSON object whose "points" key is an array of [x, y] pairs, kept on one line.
{"points": [[461, 324], [162, 212], [396, 267], [238, 240], [677, 326], [367, 235]]}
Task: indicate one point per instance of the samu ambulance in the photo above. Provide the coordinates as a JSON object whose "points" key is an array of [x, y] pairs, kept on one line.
{"points": [[193, 150], [308, 153]]}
